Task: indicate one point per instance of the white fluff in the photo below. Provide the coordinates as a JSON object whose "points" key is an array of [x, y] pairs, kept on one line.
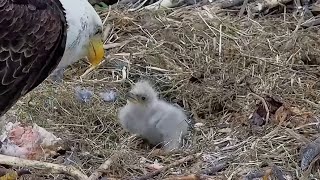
{"points": [[83, 22], [155, 120]]}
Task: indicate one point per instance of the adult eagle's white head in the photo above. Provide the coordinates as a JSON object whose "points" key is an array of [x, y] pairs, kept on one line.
{"points": [[38, 36], [84, 37]]}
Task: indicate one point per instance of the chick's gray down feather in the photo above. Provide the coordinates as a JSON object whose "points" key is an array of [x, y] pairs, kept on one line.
{"points": [[156, 120]]}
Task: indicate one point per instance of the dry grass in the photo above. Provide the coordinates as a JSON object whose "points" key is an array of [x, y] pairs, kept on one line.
{"points": [[206, 63]]}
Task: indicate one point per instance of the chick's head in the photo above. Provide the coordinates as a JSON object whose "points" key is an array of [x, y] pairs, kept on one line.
{"points": [[142, 93]]}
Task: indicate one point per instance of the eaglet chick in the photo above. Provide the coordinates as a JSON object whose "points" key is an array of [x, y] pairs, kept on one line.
{"points": [[153, 119]]}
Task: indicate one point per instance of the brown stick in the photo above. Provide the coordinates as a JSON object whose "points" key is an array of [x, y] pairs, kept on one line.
{"points": [[114, 45], [176, 163], [54, 168], [188, 177], [103, 167], [265, 106], [196, 177]]}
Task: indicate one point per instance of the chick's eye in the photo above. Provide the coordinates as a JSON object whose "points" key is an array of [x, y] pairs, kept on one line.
{"points": [[143, 98]]}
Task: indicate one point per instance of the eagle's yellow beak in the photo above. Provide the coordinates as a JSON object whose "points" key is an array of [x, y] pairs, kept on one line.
{"points": [[95, 51]]}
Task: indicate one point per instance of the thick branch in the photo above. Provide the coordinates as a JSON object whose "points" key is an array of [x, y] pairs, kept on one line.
{"points": [[54, 168]]}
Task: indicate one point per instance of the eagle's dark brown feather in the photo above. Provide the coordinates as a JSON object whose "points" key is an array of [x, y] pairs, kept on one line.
{"points": [[32, 43]]}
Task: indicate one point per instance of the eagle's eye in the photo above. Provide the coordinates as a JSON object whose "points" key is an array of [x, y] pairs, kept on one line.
{"points": [[98, 31]]}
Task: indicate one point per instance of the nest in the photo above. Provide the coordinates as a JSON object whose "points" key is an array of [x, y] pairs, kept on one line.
{"points": [[207, 63]]}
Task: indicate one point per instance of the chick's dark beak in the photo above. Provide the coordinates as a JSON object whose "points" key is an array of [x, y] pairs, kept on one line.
{"points": [[131, 97]]}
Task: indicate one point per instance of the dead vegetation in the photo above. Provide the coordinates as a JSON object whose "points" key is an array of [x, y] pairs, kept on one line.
{"points": [[208, 63]]}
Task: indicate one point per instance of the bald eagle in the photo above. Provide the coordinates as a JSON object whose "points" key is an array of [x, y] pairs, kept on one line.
{"points": [[38, 36]]}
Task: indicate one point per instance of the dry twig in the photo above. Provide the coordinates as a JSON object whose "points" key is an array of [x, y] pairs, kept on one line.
{"points": [[176, 163], [264, 104], [87, 71], [103, 167]]}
